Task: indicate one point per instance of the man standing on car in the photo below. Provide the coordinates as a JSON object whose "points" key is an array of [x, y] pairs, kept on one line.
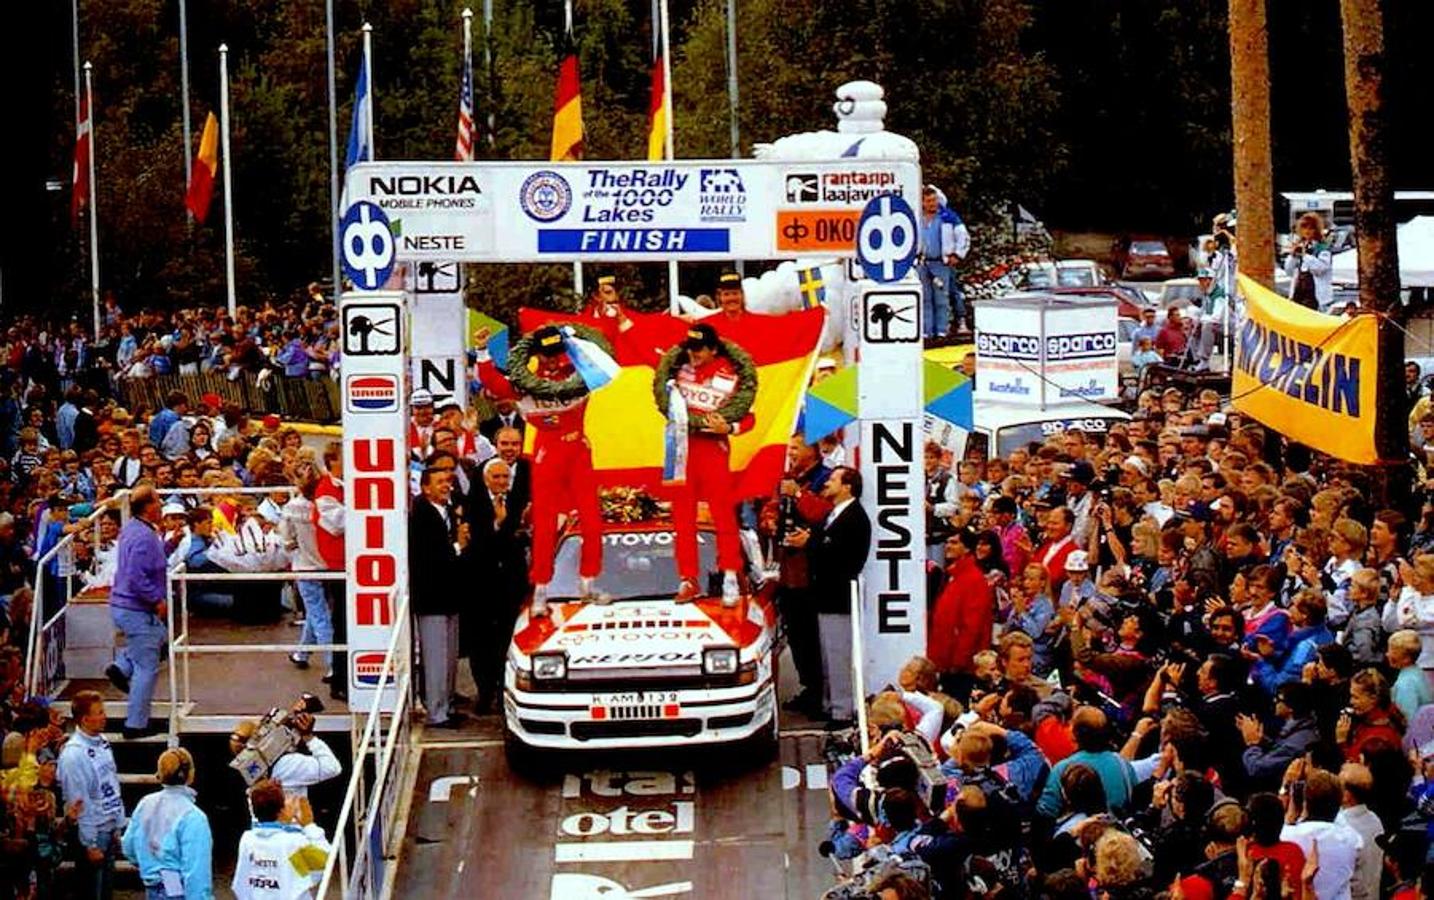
{"points": [[836, 553]]}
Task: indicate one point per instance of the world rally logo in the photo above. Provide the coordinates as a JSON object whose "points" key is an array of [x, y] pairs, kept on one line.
{"points": [[545, 196], [721, 196]]}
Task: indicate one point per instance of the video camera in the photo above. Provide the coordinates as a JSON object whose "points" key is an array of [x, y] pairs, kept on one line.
{"points": [[276, 734], [908, 762], [856, 880]]}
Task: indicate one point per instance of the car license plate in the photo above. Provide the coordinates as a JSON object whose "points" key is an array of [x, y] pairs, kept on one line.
{"points": [[636, 705]]}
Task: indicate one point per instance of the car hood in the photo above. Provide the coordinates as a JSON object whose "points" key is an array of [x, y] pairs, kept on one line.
{"points": [[647, 633]]}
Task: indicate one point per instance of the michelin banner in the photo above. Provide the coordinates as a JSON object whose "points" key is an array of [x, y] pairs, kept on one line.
{"points": [[1307, 375]]}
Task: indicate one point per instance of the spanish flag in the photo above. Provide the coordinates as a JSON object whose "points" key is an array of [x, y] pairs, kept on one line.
{"points": [[568, 104], [626, 431], [206, 166], [657, 111]]}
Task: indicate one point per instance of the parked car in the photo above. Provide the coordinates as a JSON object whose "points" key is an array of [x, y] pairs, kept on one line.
{"points": [[1180, 292], [1148, 259], [1042, 276], [1130, 302]]}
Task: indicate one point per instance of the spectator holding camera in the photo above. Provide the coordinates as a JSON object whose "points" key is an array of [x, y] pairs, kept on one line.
{"points": [[1310, 264]]}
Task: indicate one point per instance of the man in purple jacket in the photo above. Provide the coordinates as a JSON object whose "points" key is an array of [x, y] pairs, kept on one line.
{"points": [[137, 604]]}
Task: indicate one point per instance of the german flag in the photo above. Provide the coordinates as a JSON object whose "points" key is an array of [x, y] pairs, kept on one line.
{"points": [[657, 111], [568, 104], [206, 166], [626, 430]]}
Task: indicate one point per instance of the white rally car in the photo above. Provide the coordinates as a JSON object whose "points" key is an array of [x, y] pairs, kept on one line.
{"points": [[641, 671]]}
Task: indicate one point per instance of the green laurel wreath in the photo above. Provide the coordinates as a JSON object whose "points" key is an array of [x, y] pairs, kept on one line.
{"points": [[526, 381], [737, 406]]}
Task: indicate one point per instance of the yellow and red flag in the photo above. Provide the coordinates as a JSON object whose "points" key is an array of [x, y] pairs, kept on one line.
{"points": [[206, 166], [657, 111], [568, 105], [626, 430]]}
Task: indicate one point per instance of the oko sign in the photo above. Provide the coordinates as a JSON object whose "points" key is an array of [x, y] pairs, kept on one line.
{"points": [[375, 479], [1039, 350], [627, 211]]}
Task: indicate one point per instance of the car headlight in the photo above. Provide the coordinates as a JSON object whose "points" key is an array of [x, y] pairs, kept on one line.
{"points": [[719, 661], [550, 666]]}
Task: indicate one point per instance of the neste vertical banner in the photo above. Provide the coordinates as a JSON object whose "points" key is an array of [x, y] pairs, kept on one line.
{"points": [[1309, 376]]}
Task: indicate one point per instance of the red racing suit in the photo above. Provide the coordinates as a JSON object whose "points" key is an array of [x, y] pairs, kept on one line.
{"points": [[562, 467], [709, 476]]}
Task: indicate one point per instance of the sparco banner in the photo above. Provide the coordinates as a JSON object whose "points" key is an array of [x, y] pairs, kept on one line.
{"points": [[374, 330], [1044, 350], [626, 211]]}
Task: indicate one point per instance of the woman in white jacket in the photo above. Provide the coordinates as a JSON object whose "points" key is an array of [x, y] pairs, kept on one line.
{"points": [[1309, 265], [1415, 607]]}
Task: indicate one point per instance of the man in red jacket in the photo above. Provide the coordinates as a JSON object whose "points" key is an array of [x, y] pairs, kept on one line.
{"points": [[962, 620], [328, 518]]}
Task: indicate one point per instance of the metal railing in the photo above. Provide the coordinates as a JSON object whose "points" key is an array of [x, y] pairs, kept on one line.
{"points": [[44, 662], [182, 649], [858, 662], [364, 839]]}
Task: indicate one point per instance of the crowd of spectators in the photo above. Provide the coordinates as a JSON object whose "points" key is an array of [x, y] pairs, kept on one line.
{"points": [[68, 447], [1184, 658]]}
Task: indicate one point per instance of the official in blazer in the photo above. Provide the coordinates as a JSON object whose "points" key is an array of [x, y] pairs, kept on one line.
{"points": [[495, 560], [836, 553], [436, 536]]}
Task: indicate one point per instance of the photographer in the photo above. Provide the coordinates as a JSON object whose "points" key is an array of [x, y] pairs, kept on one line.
{"points": [[279, 857], [1309, 264], [309, 762]]}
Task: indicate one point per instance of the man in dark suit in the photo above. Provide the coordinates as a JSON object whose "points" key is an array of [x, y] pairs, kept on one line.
{"points": [[509, 442], [506, 416], [494, 559], [836, 553], [435, 539]]}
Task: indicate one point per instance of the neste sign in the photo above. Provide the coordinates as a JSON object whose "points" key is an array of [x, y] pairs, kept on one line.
{"points": [[626, 211]]}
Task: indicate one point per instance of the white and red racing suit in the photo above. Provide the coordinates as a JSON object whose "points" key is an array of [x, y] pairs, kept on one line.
{"points": [[709, 477], [562, 466]]}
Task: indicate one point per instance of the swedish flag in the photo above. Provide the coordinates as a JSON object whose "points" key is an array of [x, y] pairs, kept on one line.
{"points": [[813, 289]]}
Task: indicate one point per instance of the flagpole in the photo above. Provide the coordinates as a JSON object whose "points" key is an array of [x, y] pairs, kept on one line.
{"points": [[333, 150], [75, 48], [228, 178], [488, 68], [372, 97], [732, 76], [184, 101], [94, 213], [669, 144], [568, 30]]}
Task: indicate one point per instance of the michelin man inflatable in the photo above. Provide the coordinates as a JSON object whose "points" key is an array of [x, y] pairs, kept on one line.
{"points": [[861, 133]]}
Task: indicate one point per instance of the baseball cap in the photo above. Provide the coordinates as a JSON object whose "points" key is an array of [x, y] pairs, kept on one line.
{"points": [[699, 336], [173, 509], [1081, 472], [1077, 562], [420, 397], [1204, 273]]}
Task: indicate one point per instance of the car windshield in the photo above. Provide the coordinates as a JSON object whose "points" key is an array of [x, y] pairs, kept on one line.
{"points": [[1178, 292], [634, 564], [1075, 277], [1039, 277], [1147, 248]]}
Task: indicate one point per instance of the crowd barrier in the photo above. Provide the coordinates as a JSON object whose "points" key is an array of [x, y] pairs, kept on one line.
{"points": [[302, 399], [366, 840]]}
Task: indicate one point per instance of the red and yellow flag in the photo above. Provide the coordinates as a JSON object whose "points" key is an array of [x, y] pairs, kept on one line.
{"points": [[206, 166], [568, 105], [626, 430], [657, 111]]}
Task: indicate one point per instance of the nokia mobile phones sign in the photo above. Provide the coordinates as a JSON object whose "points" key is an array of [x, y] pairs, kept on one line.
{"points": [[628, 211]]}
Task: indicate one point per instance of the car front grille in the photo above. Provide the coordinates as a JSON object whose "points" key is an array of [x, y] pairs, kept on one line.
{"points": [[635, 728]]}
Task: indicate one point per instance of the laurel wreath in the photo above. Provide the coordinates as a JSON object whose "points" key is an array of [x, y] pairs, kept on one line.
{"points": [[522, 372], [737, 406]]}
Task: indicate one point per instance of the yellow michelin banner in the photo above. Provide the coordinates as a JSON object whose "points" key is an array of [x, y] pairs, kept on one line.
{"points": [[1307, 375]]}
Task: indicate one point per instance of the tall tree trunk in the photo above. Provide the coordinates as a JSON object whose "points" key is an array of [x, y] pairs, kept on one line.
{"points": [[1250, 95], [1364, 65]]}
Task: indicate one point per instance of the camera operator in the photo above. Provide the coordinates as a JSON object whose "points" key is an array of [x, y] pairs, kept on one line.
{"points": [[310, 762], [1309, 264], [279, 856]]}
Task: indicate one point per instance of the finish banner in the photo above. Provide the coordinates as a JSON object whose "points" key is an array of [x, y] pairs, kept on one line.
{"points": [[1307, 375]]}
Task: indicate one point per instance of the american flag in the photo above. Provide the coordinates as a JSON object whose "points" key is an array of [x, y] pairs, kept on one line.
{"points": [[463, 149]]}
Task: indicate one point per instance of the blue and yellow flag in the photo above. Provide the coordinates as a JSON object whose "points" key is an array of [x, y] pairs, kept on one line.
{"points": [[813, 289]]}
